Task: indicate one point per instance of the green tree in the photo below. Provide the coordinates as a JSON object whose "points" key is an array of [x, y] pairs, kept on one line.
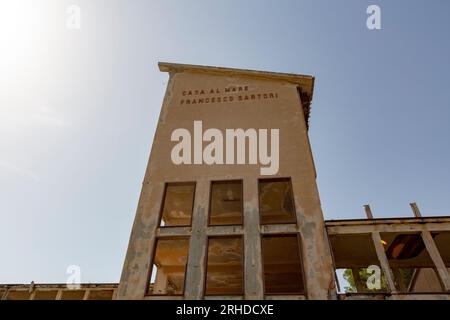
{"points": [[404, 275], [364, 276]]}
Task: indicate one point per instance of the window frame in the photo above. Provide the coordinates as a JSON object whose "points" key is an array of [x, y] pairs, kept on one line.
{"points": [[210, 202], [277, 179], [149, 276], [242, 293], [163, 201], [301, 265]]}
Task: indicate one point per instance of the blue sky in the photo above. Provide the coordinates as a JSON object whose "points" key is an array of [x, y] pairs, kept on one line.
{"points": [[78, 111]]}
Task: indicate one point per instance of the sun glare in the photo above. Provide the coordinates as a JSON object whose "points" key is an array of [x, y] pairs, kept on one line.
{"points": [[24, 44], [19, 32]]}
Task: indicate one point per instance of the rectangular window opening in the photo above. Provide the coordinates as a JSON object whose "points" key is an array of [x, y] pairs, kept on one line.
{"points": [[226, 203], [358, 269], [224, 272], [178, 204], [276, 201], [283, 271], [168, 272], [411, 264]]}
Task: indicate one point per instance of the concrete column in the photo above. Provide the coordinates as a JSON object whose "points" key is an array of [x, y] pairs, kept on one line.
{"points": [[59, 295], [160, 285], [87, 294], [315, 253], [196, 267], [381, 254], [384, 262], [253, 273], [138, 261], [358, 282]]}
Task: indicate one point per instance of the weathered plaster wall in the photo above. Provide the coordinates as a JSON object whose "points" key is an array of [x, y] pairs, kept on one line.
{"points": [[284, 113]]}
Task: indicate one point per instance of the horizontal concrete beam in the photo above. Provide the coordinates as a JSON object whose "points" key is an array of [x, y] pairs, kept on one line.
{"points": [[279, 229], [386, 227]]}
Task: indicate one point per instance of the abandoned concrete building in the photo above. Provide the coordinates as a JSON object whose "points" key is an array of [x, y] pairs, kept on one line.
{"points": [[218, 229]]}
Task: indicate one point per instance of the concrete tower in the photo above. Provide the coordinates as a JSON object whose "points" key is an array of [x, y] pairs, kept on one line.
{"points": [[225, 212]]}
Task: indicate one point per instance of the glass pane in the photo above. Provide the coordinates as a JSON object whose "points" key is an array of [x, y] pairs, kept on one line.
{"points": [[224, 275], [276, 203], [283, 272], [178, 203], [226, 203], [169, 267]]}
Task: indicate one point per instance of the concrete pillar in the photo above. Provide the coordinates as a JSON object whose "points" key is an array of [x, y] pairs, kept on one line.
{"points": [[195, 274], [384, 262], [59, 295], [358, 282], [138, 261], [160, 285], [253, 273], [381, 254]]}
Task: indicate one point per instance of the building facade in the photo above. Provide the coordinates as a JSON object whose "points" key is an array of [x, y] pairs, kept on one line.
{"points": [[225, 216], [229, 208]]}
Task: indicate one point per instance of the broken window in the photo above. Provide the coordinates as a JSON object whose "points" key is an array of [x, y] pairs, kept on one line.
{"points": [[283, 272], [224, 274], [276, 201], [177, 204], [357, 265], [169, 266], [413, 269], [226, 203]]}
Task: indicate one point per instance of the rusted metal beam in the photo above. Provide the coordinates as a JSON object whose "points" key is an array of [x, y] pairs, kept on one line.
{"points": [[87, 294]]}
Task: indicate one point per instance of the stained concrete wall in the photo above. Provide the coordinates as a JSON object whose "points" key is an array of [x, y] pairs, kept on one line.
{"points": [[285, 113]]}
